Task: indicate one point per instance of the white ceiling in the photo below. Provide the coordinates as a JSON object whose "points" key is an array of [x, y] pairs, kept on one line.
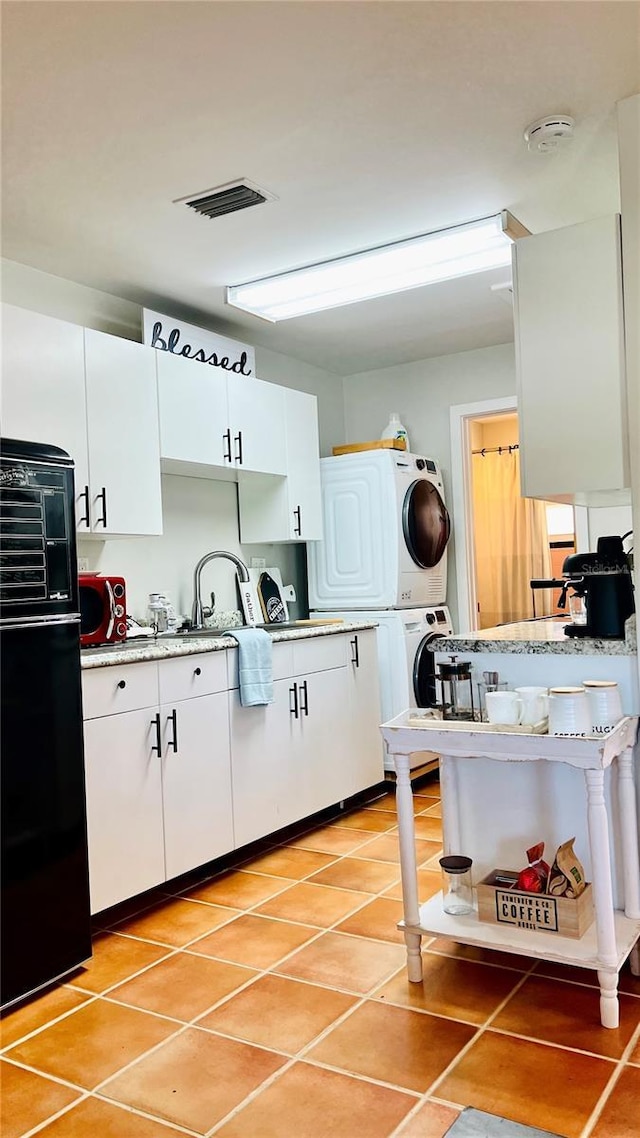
{"points": [[370, 122]]}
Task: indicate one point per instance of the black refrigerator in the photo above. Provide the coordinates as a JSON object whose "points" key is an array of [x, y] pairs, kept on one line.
{"points": [[45, 930]]}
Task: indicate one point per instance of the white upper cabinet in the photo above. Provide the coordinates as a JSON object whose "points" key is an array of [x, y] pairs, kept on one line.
{"points": [[193, 411], [95, 396], [123, 432], [273, 510], [43, 390], [569, 337], [210, 419]]}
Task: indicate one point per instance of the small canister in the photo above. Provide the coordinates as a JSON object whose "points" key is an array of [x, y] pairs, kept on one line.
{"points": [[457, 889]]}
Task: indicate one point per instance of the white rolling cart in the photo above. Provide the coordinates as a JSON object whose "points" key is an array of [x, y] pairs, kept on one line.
{"points": [[614, 934]]}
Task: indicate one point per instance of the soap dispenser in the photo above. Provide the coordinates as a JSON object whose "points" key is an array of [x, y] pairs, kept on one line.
{"points": [[395, 430]]}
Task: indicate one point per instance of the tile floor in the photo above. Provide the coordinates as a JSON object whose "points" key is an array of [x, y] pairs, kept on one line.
{"points": [[271, 1001]]}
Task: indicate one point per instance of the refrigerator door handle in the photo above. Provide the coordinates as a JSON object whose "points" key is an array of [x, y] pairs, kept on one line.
{"points": [[9, 625]]}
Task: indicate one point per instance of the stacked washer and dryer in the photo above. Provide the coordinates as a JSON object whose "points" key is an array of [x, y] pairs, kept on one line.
{"points": [[384, 558]]}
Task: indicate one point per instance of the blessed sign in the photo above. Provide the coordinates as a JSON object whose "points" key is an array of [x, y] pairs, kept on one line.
{"points": [[168, 335]]}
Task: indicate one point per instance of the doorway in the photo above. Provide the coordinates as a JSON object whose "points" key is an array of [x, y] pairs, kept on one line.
{"points": [[502, 540]]}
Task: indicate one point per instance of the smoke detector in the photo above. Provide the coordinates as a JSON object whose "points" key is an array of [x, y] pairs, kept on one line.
{"points": [[553, 132]]}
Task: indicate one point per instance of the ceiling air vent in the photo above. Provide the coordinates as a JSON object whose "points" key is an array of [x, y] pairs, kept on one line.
{"points": [[226, 199]]}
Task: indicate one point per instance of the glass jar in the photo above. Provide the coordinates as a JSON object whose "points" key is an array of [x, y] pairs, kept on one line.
{"points": [[457, 890]]}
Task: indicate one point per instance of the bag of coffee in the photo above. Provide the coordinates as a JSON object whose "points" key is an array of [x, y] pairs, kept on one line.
{"points": [[567, 875], [534, 878]]}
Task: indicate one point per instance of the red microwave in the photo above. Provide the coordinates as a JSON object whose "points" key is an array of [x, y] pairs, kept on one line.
{"points": [[103, 608]]}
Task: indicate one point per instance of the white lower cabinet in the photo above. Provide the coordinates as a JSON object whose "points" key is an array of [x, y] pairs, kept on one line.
{"points": [[196, 782], [178, 773], [158, 777], [365, 766], [291, 758], [124, 806]]}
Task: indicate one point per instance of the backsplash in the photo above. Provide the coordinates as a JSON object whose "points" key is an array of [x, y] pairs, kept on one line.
{"points": [[198, 516]]}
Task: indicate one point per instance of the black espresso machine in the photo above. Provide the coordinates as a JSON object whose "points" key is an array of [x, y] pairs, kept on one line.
{"points": [[604, 580]]}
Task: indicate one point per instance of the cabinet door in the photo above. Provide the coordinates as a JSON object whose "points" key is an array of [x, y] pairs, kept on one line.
{"points": [[366, 751], [196, 782], [124, 807], [266, 773], [290, 509], [257, 422], [43, 392], [323, 747], [194, 414], [303, 467], [123, 432], [570, 360]]}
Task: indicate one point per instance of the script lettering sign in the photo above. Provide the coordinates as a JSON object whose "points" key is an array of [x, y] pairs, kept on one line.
{"points": [[168, 335]]}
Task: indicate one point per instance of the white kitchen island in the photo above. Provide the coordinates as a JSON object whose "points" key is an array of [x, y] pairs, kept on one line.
{"points": [[612, 937]]}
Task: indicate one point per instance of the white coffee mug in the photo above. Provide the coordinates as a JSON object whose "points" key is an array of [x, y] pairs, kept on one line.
{"points": [[569, 712], [605, 705], [503, 707], [535, 704]]}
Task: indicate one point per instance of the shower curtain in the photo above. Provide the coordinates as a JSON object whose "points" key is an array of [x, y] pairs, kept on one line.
{"points": [[510, 539]]}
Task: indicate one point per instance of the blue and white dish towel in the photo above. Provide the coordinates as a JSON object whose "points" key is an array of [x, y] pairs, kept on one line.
{"points": [[255, 670]]}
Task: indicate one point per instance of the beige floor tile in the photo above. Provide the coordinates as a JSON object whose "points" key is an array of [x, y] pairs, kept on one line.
{"points": [[316, 905], [279, 1013], [94, 1118], [619, 1119], [257, 942], [347, 962], [195, 1079], [92, 1043], [114, 959], [386, 847], [290, 862], [176, 922], [569, 1015], [38, 1011], [432, 1120], [355, 873], [385, 802], [406, 1048], [378, 920], [332, 840], [429, 883], [434, 811], [530, 1083], [457, 989], [28, 1099], [183, 986], [447, 947], [428, 828], [307, 1102], [239, 889], [375, 820]]}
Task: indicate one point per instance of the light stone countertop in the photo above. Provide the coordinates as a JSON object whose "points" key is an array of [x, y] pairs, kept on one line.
{"points": [[137, 651], [538, 637]]}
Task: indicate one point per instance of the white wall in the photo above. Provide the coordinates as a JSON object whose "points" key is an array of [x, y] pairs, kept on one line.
{"points": [[422, 393], [198, 516]]}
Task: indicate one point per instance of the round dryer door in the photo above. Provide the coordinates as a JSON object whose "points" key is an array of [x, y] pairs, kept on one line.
{"points": [[426, 523], [424, 672]]}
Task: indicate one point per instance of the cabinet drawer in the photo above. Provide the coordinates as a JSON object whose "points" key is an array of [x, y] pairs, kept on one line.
{"points": [[319, 654], [113, 690], [189, 676]]}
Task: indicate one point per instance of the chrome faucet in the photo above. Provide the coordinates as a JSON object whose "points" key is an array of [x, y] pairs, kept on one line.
{"points": [[197, 612]]}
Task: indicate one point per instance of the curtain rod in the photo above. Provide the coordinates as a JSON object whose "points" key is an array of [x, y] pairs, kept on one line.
{"points": [[497, 450]]}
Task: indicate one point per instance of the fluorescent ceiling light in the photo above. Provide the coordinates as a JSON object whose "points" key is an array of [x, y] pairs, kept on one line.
{"points": [[470, 248]]}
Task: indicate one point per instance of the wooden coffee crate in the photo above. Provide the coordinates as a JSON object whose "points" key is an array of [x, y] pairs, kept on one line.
{"points": [[500, 903]]}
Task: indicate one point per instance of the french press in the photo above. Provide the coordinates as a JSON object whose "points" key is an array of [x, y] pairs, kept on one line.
{"points": [[456, 690]]}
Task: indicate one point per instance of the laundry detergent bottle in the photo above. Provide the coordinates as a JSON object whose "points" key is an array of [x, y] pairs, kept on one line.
{"points": [[395, 430]]}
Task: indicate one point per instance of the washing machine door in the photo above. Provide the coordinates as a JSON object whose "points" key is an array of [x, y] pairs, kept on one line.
{"points": [[424, 672], [426, 523]]}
